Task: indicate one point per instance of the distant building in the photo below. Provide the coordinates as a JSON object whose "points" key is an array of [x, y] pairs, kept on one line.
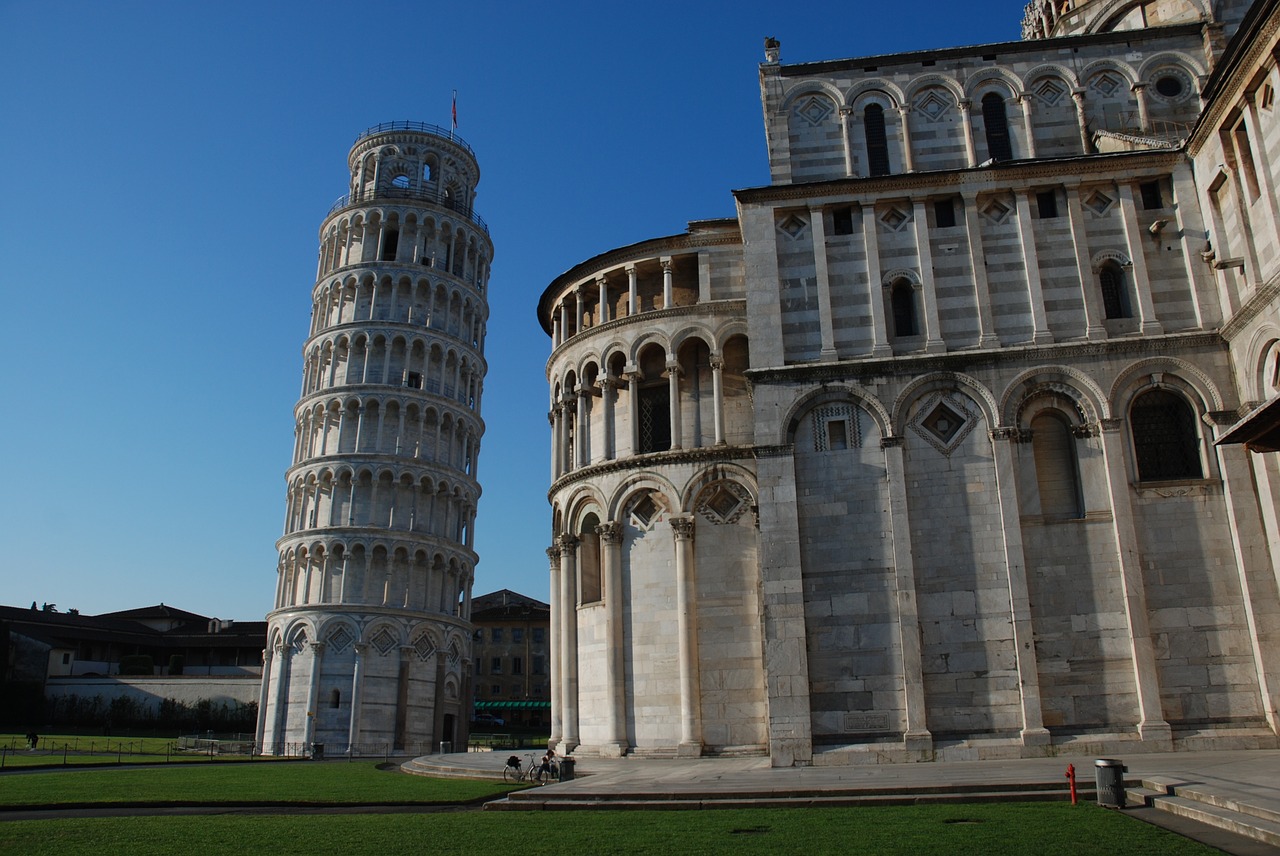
{"points": [[938, 449], [168, 653], [512, 650]]}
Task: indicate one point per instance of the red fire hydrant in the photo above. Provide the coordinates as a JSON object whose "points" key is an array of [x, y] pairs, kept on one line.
{"points": [[1071, 779]]}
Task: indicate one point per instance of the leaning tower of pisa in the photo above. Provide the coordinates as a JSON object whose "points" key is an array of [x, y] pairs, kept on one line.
{"points": [[368, 645]]}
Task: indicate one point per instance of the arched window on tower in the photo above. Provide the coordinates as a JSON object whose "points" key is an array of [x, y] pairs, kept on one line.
{"points": [[1115, 295], [1165, 441], [996, 123], [902, 302], [877, 144], [589, 560], [1057, 470]]}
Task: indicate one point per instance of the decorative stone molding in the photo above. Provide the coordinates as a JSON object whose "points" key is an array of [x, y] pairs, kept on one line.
{"points": [[683, 528]]}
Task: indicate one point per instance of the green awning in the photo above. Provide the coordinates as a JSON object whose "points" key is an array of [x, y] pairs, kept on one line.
{"points": [[513, 705]]}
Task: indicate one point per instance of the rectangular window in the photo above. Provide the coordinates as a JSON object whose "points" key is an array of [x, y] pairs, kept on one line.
{"points": [[1152, 199], [479, 666], [837, 434], [495, 635], [842, 220], [1244, 154], [539, 634], [517, 666], [495, 665], [517, 634], [539, 665], [66, 659], [1047, 202], [495, 690], [390, 242], [944, 212]]}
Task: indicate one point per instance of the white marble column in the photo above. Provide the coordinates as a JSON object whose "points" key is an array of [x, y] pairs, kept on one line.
{"points": [[1094, 328], [1040, 334], [556, 644], [1133, 234], [1026, 100], [879, 331], [569, 641], [933, 342], [313, 691], [987, 337], [603, 312], [817, 218], [1082, 119], [687, 624], [357, 696], [966, 119], [908, 159], [668, 296], [615, 744], [633, 305], [717, 395], [263, 694], [608, 393], [673, 392]]}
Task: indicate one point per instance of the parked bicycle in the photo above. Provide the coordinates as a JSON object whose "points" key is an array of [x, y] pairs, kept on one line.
{"points": [[515, 771]]}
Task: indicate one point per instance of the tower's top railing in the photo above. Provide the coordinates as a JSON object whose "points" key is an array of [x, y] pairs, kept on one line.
{"points": [[420, 127]]}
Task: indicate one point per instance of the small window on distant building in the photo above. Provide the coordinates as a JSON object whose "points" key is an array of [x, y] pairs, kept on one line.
{"points": [[517, 634], [495, 690], [1047, 203], [539, 665], [539, 635], [944, 212], [1152, 198], [517, 666], [66, 659], [495, 635], [495, 665], [842, 220]]}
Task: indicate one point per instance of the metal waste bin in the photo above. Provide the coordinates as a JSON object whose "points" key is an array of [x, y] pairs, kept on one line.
{"points": [[1110, 778], [317, 751], [446, 746], [566, 770]]}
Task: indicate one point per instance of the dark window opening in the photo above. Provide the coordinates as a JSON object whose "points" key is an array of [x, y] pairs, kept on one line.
{"points": [[1169, 86], [517, 666], [842, 220], [539, 635], [837, 435], [413, 380], [335, 698], [877, 144], [1164, 437], [996, 123], [902, 298], [944, 212], [1047, 203], [390, 242], [1151, 196], [1115, 297], [539, 665], [655, 419], [495, 666]]}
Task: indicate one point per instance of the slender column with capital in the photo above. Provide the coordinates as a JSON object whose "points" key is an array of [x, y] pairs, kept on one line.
{"points": [[1082, 119], [687, 624], [582, 430], [667, 291], [966, 119], [557, 692], [908, 159], [1033, 731], [673, 391], [603, 312], [846, 116], [916, 736], [313, 690], [816, 217], [633, 304], [1094, 328], [1133, 233], [1151, 723], [357, 693], [569, 641], [717, 396], [1040, 333], [553, 419], [281, 688], [633, 408], [1144, 106], [579, 310], [614, 668], [564, 322], [933, 342], [263, 695], [879, 333], [608, 392], [978, 262], [1026, 100]]}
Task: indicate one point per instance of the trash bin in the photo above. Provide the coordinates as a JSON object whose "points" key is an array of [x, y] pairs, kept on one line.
{"points": [[566, 770], [446, 746], [1110, 777], [317, 751]]}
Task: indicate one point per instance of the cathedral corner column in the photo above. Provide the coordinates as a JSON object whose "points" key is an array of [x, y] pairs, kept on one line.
{"points": [[687, 618], [313, 692], [615, 744], [569, 642], [557, 699]]}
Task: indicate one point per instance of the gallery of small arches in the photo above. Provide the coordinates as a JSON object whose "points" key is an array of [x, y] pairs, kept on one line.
{"points": [[389, 498], [366, 297], [933, 122], [374, 573], [393, 359], [653, 394], [408, 238], [343, 635]]}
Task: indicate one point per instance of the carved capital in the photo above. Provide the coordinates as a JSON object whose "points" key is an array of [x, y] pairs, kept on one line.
{"points": [[553, 554], [1010, 434], [1085, 429], [610, 533], [567, 542], [667, 265], [890, 442], [683, 527], [1111, 424]]}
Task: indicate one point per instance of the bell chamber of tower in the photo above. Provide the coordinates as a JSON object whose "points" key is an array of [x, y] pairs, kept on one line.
{"points": [[369, 642]]}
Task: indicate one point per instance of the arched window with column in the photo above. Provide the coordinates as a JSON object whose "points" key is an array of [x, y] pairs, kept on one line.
{"points": [[1115, 294], [877, 141], [902, 304], [654, 429], [995, 121], [589, 572], [1166, 442]]}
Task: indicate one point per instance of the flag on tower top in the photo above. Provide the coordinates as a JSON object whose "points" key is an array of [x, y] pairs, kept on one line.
{"points": [[455, 109]]}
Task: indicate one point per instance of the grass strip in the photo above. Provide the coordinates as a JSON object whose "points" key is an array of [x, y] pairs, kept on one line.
{"points": [[1003, 829]]}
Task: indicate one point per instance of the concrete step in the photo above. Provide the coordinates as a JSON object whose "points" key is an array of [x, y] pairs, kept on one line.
{"points": [[1215, 804], [547, 801]]}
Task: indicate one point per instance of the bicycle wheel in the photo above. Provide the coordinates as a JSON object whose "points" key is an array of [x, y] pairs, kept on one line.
{"points": [[510, 774]]}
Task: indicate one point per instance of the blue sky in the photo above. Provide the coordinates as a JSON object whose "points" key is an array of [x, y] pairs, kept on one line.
{"points": [[167, 169]]}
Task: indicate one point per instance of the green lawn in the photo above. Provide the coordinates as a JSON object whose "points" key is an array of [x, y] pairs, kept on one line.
{"points": [[82, 749], [328, 782], [991, 830]]}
